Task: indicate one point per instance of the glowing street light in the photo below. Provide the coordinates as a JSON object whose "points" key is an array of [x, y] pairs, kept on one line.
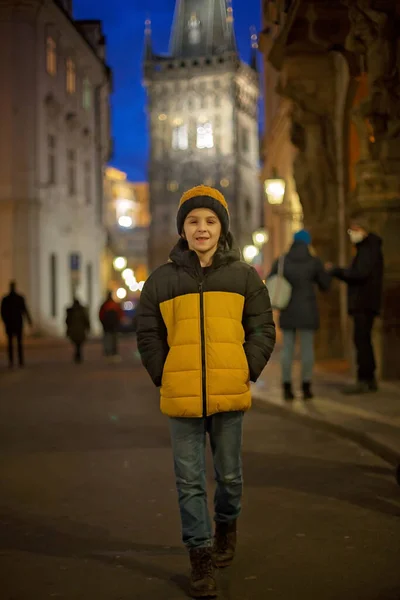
{"points": [[127, 274], [125, 222], [250, 252], [121, 293], [260, 237], [275, 189], [120, 263]]}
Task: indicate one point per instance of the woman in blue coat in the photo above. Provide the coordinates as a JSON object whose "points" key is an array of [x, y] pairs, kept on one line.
{"points": [[305, 273]]}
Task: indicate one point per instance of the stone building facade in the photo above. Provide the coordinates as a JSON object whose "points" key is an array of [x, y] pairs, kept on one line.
{"points": [[336, 66], [203, 122], [54, 143]]}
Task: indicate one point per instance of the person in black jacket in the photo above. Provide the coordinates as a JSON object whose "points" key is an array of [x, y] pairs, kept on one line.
{"points": [[364, 278], [305, 273], [205, 330], [13, 313]]}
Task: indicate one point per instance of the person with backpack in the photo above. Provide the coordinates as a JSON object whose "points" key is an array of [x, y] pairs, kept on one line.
{"points": [[110, 315], [304, 273], [205, 330]]}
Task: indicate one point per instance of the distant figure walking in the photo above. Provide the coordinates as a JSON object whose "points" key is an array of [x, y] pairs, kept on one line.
{"points": [[305, 273], [110, 315], [78, 326], [13, 312]]}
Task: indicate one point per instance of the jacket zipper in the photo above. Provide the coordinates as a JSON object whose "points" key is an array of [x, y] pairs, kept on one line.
{"points": [[203, 350]]}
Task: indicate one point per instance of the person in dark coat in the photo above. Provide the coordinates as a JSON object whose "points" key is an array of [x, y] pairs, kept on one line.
{"points": [[110, 316], [13, 313], [78, 326], [364, 277], [205, 330], [305, 273]]}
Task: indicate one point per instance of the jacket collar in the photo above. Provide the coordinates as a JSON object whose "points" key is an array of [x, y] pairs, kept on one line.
{"points": [[188, 259]]}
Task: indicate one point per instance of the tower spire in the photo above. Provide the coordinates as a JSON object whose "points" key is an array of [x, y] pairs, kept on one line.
{"points": [[230, 26], [148, 47], [202, 28]]}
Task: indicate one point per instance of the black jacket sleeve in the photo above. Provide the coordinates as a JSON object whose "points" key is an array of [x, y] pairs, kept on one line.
{"points": [[258, 325], [322, 278], [151, 333], [360, 268]]}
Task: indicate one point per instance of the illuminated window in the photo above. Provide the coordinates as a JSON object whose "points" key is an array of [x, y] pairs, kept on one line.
{"points": [[86, 94], [51, 56], [71, 76], [205, 137], [180, 138]]}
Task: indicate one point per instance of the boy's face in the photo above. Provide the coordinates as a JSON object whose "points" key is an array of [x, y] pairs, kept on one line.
{"points": [[202, 230]]}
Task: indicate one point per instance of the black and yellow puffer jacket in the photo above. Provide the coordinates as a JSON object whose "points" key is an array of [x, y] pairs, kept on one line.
{"points": [[204, 334]]}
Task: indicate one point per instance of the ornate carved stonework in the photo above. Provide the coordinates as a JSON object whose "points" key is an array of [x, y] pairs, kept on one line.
{"points": [[374, 37]]}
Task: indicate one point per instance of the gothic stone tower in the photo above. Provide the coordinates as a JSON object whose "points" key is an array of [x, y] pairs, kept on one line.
{"points": [[202, 110]]}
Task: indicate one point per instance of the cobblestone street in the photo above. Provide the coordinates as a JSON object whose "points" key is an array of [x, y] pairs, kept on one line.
{"points": [[88, 506]]}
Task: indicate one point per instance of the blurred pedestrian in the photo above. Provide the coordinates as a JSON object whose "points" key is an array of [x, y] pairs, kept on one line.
{"points": [[205, 329], [305, 272], [110, 316], [78, 326], [364, 278], [13, 313]]}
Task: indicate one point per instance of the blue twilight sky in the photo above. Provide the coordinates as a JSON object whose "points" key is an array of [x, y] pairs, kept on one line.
{"points": [[123, 24]]}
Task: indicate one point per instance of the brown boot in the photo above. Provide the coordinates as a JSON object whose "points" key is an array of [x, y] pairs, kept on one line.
{"points": [[224, 544], [202, 582]]}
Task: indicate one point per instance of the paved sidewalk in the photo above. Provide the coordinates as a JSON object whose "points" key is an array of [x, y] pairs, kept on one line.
{"points": [[371, 420]]}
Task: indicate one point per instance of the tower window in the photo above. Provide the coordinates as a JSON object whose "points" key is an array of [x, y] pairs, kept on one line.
{"points": [[51, 56], [205, 137], [180, 138], [194, 29], [71, 76]]}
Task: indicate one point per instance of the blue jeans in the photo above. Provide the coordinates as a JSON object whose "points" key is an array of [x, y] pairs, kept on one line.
{"points": [[188, 438], [306, 353]]}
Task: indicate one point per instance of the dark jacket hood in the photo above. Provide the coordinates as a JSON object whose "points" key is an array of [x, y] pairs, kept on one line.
{"points": [[299, 252], [225, 254]]}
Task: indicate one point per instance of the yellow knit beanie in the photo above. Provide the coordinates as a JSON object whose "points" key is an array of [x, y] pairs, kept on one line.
{"points": [[203, 196]]}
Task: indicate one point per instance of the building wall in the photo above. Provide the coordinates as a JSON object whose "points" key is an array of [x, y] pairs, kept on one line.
{"points": [[48, 209]]}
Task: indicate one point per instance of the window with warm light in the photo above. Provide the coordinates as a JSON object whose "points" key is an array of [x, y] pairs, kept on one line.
{"points": [[180, 137], [51, 56], [71, 76], [205, 136]]}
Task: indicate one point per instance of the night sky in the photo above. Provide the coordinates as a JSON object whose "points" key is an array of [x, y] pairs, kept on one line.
{"points": [[123, 24]]}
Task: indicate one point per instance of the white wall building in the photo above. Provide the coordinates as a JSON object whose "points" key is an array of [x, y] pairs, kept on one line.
{"points": [[54, 143]]}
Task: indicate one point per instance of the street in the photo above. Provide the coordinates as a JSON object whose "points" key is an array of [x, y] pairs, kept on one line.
{"points": [[88, 506]]}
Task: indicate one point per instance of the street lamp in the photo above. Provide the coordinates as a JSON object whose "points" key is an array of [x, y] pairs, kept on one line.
{"points": [[250, 252], [260, 237], [120, 263], [275, 188]]}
